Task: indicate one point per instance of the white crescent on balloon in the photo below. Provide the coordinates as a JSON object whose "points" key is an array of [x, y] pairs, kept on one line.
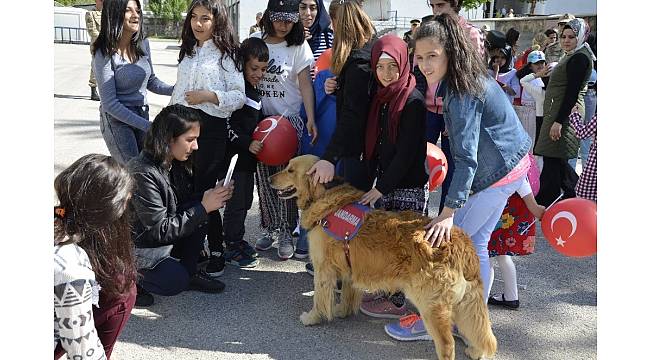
{"points": [[566, 215], [274, 124], [436, 170]]}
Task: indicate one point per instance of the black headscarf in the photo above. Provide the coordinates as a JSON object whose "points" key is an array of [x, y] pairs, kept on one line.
{"points": [[320, 27]]}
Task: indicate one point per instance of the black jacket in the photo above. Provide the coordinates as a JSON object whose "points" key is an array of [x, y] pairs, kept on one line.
{"points": [[402, 165], [241, 125], [156, 218], [356, 86]]}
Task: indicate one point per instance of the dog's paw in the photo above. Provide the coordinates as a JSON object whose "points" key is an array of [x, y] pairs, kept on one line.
{"points": [[474, 354], [341, 311], [310, 318]]}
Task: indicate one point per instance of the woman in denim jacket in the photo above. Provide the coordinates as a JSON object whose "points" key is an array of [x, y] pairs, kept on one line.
{"points": [[488, 142]]}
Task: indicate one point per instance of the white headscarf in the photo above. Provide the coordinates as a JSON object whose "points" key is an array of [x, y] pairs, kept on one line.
{"points": [[581, 29]]}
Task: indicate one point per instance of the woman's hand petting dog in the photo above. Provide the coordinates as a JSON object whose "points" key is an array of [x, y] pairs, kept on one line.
{"points": [[323, 172], [371, 197], [439, 229]]}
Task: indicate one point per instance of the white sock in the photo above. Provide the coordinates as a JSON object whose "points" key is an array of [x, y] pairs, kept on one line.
{"points": [[509, 273]]}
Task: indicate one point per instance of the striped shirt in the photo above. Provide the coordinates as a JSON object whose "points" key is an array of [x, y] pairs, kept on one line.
{"points": [[322, 46]]}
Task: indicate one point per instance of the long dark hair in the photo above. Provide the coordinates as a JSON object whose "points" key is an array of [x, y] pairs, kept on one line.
{"points": [[465, 67], [172, 122], [512, 36], [112, 25], [223, 34], [93, 195], [295, 37]]}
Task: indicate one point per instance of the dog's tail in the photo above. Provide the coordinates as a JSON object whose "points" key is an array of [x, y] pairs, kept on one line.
{"points": [[473, 320]]}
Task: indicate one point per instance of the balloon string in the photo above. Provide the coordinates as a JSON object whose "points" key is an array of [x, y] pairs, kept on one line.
{"points": [[269, 133], [534, 221]]}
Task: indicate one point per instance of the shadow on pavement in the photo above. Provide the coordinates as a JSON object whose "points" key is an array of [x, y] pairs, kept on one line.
{"points": [[86, 129], [258, 313], [76, 97]]}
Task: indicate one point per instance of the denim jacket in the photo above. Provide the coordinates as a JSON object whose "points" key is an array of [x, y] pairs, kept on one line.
{"points": [[486, 137]]}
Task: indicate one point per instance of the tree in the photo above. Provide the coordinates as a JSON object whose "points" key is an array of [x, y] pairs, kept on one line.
{"points": [[532, 3], [169, 9], [74, 2], [473, 4]]}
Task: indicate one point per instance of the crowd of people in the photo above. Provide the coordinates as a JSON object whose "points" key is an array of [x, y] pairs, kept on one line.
{"points": [[141, 221]]}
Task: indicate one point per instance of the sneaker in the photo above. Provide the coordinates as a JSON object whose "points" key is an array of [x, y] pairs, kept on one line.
{"points": [[203, 282], [383, 308], [285, 247], [248, 249], [296, 231], [368, 297], [143, 298], [265, 242], [309, 267], [238, 257], [494, 300], [408, 328], [216, 264], [301, 254], [411, 328]]}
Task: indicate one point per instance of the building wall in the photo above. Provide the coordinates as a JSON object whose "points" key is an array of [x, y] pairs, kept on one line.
{"points": [[550, 7], [245, 13]]}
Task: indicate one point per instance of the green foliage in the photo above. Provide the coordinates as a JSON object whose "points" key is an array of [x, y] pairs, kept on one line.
{"points": [[169, 9], [473, 4], [75, 2]]}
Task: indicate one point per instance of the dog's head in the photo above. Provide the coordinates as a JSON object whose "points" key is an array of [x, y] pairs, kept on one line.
{"points": [[293, 181]]}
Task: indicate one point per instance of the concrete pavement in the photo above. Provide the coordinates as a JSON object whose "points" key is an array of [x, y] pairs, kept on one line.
{"points": [[256, 317]]}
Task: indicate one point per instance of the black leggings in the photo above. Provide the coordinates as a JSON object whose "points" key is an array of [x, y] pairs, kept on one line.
{"points": [[209, 165]]}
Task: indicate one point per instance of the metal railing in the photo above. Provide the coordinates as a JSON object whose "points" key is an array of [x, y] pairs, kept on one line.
{"points": [[71, 35], [392, 24]]}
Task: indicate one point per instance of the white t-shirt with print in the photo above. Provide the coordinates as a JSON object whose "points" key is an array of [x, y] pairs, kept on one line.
{"points": [[279, 86]]}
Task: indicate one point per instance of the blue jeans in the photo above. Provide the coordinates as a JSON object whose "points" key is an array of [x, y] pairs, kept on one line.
{"points": [[435, 126], [123, 141], [170, 277], [478, 218]]}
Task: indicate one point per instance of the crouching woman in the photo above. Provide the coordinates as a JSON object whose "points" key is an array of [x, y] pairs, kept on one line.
{"points": [[162, 227]]}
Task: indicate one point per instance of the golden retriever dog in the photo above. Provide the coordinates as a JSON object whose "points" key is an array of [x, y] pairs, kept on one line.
{"points": [[390, 254]]}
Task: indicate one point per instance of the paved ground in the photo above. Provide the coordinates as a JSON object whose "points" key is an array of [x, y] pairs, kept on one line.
{"points": [[256, 317]]}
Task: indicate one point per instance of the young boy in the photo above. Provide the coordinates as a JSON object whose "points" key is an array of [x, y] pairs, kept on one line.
{"points": [[255, 56]]}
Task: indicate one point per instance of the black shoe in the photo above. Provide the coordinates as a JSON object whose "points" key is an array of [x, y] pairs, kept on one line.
{"points": [[514, 304], [310, 268], [203, 282], [143, 298], [215, 265], [93, 94]]}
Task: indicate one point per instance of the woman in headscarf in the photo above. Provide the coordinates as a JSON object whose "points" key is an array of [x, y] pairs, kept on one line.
{"points": [[395, 147], [316, 22], [567, 85]]}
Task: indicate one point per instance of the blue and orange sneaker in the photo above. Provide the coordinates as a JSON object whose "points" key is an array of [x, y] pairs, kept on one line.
{"points": [[408, 328], [411, 328]]}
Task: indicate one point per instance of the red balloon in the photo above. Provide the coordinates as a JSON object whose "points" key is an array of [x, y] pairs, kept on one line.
{"points": [[279, 138], [324, 61], [570, 226], [436, 166]]}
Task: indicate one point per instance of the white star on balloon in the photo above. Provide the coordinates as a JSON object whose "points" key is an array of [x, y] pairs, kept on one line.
{"points": [[560, 242]]}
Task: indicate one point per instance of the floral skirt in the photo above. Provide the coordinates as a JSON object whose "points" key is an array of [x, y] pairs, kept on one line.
{"points": [[508, 237]]}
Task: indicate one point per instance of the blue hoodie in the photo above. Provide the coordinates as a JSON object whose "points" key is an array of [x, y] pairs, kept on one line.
{"points": [[325, 114]]}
